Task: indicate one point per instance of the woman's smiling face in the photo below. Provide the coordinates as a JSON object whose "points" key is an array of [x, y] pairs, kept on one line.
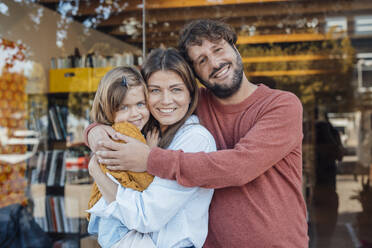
{"points": [[168, 98]]}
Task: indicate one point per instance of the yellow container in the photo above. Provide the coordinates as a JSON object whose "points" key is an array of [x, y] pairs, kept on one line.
{"points": [[97, 75], [70, 80], [76, 79]]}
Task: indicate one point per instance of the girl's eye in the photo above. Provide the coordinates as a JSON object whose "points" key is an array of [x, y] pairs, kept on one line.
{"points": [[218, 49], [201, 61], [123, 108], [141, 104]]}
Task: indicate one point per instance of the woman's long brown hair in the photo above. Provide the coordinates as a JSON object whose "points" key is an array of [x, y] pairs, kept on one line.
{"points": [[171, 60]]}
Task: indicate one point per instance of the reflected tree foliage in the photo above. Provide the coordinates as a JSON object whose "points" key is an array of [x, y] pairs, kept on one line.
{"points": [[325, 78]]}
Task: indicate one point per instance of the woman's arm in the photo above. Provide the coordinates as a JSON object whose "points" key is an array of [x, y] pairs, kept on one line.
{"points": [[150, 210]]}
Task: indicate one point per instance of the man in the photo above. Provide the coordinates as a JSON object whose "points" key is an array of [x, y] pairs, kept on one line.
{"points": [[258, 169]]}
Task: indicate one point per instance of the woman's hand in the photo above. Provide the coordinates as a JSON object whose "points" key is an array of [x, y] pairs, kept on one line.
{"points": [[98, 134], [152, 138]]}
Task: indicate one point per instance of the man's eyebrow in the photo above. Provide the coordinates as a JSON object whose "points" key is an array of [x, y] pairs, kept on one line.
{"points": [[197, 59], [212, 47]]}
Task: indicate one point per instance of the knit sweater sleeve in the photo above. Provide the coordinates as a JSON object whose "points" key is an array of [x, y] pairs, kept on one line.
{"points": [[275, 134]]}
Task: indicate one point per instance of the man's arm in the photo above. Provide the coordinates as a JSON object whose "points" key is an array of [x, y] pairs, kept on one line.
{"points": [[150, 210], [276, 134]]}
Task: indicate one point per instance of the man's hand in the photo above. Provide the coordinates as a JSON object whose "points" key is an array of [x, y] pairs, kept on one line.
{"points": [[99, 133], [131, 155]]}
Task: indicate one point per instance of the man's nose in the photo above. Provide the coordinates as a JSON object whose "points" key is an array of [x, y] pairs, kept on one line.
{"points": [[214, 62]]}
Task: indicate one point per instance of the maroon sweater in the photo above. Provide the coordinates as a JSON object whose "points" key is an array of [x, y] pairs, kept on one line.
{"points": [[257, 173]]}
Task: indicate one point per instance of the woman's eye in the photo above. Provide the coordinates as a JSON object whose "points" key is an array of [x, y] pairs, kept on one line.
{"points": [[154, 90], [141, 104], [218, 49], [176, 89], [201, 61]]}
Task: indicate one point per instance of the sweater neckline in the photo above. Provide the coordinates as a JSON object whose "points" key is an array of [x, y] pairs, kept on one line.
{"points": [[233, 108]]}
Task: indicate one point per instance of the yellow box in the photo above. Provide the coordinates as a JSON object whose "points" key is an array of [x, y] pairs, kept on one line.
{"points": [[97, 74], [70, 80]]}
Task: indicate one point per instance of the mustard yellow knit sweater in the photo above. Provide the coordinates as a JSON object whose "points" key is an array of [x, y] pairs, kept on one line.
{"points": [[134, 180]]}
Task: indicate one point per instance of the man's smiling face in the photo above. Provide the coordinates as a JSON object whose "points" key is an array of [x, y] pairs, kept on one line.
{"points": [[218, 66]]}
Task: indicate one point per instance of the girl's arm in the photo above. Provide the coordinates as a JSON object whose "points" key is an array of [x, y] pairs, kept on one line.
{"points": [[105, 185]]}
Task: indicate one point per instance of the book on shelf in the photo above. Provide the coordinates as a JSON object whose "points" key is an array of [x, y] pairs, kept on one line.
{"points": [[77, 170], [50, 213], [58, 116], [62, 112], [52, 169], [59, 179], [56, 167], [62, 162], [55, 125], [43, 169], [53, 214]]}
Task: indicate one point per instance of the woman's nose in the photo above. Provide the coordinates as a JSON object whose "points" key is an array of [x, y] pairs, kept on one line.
{"points": [[166, 97]]}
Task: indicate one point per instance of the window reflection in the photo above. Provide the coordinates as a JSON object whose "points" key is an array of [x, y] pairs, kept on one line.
{"points": [[319, 50]]}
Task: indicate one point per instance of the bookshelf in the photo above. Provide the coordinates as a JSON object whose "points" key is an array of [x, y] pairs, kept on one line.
{"points": [[60, 184]]}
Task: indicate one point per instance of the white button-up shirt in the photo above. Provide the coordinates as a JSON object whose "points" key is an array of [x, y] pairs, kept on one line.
{"points": [[173, 215]]}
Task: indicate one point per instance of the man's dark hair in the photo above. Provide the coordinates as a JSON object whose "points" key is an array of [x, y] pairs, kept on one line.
{"points": [[194, 32]]}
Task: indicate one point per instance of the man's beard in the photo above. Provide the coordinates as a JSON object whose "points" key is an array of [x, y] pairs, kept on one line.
{"points": [[224, 91]]}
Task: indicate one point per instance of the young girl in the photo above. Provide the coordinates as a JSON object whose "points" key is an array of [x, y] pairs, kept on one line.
{"points": [[120, 101], [170, 214], [121, 94]]}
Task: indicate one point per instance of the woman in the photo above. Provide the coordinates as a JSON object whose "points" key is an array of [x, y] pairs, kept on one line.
{"points": [[168, 213]]}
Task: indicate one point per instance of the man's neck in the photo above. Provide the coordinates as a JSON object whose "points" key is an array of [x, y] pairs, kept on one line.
{"points": [[246, 89]]}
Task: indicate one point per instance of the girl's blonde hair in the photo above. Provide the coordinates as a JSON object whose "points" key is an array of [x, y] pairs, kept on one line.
{"points": [[111, 91]]}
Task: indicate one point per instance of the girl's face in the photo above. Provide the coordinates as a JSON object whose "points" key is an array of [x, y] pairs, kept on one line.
{"points": [[133, 108], [168, 99]]}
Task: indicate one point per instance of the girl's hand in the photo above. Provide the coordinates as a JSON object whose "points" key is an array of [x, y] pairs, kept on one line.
{"points": [[93, 166], [152, 138]]}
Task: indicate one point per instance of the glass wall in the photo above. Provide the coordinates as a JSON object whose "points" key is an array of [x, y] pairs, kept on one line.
{"points": [[321, 50]]}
